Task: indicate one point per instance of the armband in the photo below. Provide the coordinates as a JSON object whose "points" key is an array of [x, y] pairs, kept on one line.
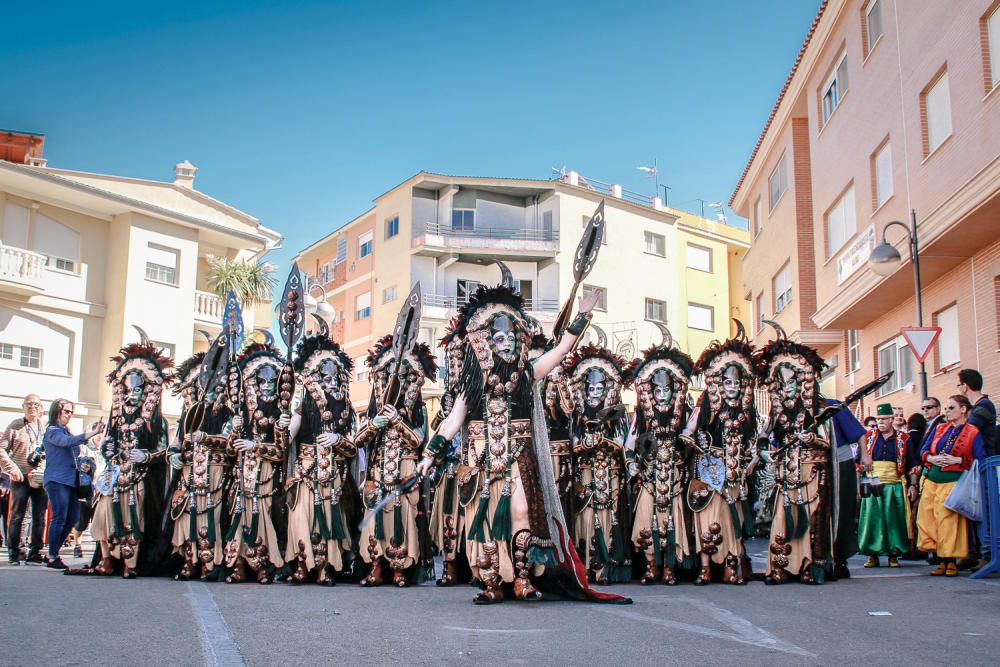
{"points": [[579, 323], [438, 447]]}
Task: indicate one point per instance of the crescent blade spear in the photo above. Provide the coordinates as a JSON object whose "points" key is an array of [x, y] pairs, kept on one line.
{"points": [[584, 259], [404, 335], [291, 324]]}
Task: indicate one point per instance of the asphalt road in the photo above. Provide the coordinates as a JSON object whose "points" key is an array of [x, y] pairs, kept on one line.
{"points": [[49, 619]]}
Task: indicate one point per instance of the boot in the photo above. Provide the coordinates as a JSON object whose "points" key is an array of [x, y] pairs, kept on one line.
{"points": [[873, 562], [185, 572], [489, 572], [652, 573], [523, 590], [239, 573], [399, 578], [705, 576], [449, 575], [128, 573], [264, 575], [374, 577], [940, 569], [893, 561], [324, 577], [299, 575], [731, 574], [669, 578]]}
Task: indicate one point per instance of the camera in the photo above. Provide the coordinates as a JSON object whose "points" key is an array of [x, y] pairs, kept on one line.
{"points": [[36, 456]]}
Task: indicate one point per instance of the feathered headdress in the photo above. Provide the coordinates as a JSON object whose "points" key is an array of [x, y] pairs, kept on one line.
{"points": [[187, 373], [802, 359]]}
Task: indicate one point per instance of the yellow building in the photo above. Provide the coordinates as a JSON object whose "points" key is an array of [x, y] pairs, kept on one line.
{"points": [[83, 257], [659, 265]]}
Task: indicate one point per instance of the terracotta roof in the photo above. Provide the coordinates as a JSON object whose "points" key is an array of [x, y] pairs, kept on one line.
{"points": [[781, 97]]}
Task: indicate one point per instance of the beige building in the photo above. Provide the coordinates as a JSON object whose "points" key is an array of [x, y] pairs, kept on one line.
{"points": [[83, 257], [890, 108], [659, 265]]}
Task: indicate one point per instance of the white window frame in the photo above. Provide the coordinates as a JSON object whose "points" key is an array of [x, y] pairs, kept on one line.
{"points": [[835, 88], [759, 316], [993, 46], [784, 297], [464, 225], [169, 349], [470, 286], [366, 244], [874, 7], [703, 307], [939, 93], [361, 370], [780, 171], [7, 351], [689, 255], [391, 225], [602, 296], [655, 303], [655, 238], [389, 294], [26, 352], [758, 219], [898, 379], [853, 350], [341, 251], [362, 313], [841, 222], [947, 351], [162, 271], [882, 174]]}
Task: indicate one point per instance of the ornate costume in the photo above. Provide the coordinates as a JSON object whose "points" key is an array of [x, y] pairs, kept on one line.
{"points": [[128, 506], [558, 402], [801, 528], [393, 436], [320, 487], [253, 539], [203, 464], [597, 377], [725, 440], [659, 460]]}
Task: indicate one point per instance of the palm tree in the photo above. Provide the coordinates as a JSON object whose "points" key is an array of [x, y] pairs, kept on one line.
{"points": [[252, 282]]}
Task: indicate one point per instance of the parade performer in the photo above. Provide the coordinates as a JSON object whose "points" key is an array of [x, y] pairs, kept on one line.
{"points": [[802, 528], [515, 522], [884, 522], [597, 377], [725, 441], [558, 403], [659, 462], [202, 463], [393, 434], [448, 513], [259, 441], [129, 504], [321, 490]]}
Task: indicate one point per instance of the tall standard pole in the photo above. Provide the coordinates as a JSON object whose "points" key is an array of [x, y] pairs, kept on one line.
{"points": [[915, 258]]}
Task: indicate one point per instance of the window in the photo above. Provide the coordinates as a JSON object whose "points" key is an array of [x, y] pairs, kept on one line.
{"points": [[161, 264], [777, 182], [365, 242], [699, 257], [759, 315], [463, 220], [389, 294], [391, 227], [57, 242], [834, 89], [361, 371], [363, 306], [782, 286], [701, 317], [873, 24], [466, 288], [31, 357], [758, 219], [895, 356], [853, 350], [841, 223], [656, 311], [547, 225], [602, 296], [991, 49], [882, 175], [947, 342], [341, 250], [936, 110], [6, 351], [65, 265], [604, 236], [526, 289], [656, 244]]}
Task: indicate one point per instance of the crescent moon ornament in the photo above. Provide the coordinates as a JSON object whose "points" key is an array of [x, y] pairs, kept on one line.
{"points": [[602, 338], [208, 337], [506, 277], [324, 328], [666, 339], [143, 336], [741, 331], [777, 329]]}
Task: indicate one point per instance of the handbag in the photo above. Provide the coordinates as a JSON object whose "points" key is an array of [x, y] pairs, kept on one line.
{"points": [[966, 496]]}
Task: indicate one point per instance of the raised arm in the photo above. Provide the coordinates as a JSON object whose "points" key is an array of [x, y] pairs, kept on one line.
{"points": [[544, 364]]}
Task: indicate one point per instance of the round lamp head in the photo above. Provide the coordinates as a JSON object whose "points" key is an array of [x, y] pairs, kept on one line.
{"points": [[310, 303], [325, 310], [885, 259]]}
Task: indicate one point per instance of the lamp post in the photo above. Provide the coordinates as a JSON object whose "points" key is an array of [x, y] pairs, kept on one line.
{"points": [[885, 259]]}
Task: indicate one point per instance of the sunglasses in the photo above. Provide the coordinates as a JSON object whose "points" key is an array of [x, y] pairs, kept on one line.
{"points": [[32, 405], [927, 407], [67, 411]]}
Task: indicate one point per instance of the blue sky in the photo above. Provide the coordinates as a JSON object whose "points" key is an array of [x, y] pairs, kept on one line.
{"points": [[301, 112]]}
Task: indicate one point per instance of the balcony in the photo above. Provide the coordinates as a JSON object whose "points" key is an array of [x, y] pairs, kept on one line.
{"points": [[208, 308], [21, 271], [444, 307], [513, 243]]}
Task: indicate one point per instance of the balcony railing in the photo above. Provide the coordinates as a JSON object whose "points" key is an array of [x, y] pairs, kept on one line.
{"points": [[21, 267], [504, 233], [532, 305], [208, 307]]}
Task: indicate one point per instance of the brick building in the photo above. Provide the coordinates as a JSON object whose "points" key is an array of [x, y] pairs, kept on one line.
{"points": [[890, 109]]}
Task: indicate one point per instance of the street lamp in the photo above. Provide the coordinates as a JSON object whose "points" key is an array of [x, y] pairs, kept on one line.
{"points": [[884, 260]]}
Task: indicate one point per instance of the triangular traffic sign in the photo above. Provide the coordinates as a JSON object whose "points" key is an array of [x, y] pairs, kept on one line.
{"points": [[921, 340]]}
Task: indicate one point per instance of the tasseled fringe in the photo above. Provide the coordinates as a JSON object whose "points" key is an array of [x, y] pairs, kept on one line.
{"points": [[657, 549], [476, 532], [319, 520], [500, 527], [398, 534], [118, 523], [250, 534], [735, 515], [601, 546], [210, 514], [748, 525], [449, 493], [379, 526], [193, 525], [802, 522], [234, 526], [337, 531]]}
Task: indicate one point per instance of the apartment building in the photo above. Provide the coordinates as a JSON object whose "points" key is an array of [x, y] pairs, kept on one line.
{"points": [[658, 265], [84, 257], [891, 109]]}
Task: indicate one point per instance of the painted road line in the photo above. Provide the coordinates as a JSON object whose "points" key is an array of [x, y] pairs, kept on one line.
{"points": [[217, 642]]}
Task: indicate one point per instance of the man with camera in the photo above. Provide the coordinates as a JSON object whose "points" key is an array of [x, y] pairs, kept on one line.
{"points": [[21, 457]]}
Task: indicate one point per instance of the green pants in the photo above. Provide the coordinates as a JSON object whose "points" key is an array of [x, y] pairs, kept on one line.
{"points": [[883, 523]]}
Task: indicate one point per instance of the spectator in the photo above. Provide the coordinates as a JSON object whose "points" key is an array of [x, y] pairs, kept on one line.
{"points": [[870, 422], [898, 419], [62, 478], [984, 414], [87, 463], [947, 454], [916, 428], [930, 408], [19, 460]]}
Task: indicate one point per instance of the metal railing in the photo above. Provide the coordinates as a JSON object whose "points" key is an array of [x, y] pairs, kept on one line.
{"points": [[515, 234], [21, 266], [531, 305], [608, 189]]}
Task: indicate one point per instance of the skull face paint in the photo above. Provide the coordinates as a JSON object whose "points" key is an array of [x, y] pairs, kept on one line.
{"points": [[597, 384], [134, 386], [663, 392], [732, 384], [267, 382], [329, 379], [504, 338], [789, 383]]}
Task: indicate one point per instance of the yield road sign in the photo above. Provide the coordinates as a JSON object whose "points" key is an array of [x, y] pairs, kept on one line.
{"points": [[921, 340]]}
